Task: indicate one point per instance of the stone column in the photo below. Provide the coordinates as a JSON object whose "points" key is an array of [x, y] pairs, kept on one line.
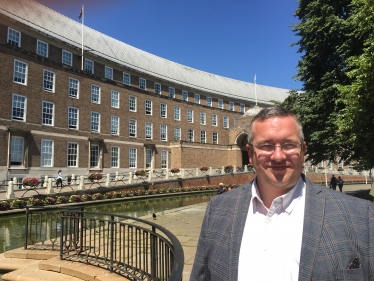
{"points": [[10, 192]]}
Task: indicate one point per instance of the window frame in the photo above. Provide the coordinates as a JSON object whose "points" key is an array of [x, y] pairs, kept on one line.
{"points": [[177, 133], [185, 95], [40, 45], [24, 109], [49, 84], [190, 135], [226, 124], [209, 101], [71, 87], [148, 130], [190, 114], [214, 120], [242, 108], [157, 88], [95, 122], [133, 157], [70, 118], [69, 55], [196, 98], [148, 107], [46, 114], [171, 92], [231, 106], [202, 118], [19, 153], [177, 113], [114, 156], [95, 158], [89, 66], [114, 99], [108, 72], [114, 125], [202, 136], [220, 104], [164, 159], [132, 103], [44, 154], [95, 94], [23, 74], [163, 132], [70, 155], [142, 84], [14, 42], [163, 110], [126, 76], [215, 137], [148, 158], [132, 128]]}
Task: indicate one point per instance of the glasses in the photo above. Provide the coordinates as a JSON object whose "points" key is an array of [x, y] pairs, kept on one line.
{"points": [[287, 148]]}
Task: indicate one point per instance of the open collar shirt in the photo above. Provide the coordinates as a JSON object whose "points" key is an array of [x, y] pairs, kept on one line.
{"points": [[271, 243]]}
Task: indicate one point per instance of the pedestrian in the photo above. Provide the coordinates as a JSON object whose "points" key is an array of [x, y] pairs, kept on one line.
{"points": [[59, 178], [281, 226], [333, 182], [340, 183]]}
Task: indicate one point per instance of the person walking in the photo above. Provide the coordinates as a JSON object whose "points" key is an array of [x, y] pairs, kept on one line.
{"points": [[59, 178], [340, 183], [333, 182]]}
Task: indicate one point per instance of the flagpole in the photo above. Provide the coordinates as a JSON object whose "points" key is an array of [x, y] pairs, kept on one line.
{"points": [[82, 33], [255, 90]]}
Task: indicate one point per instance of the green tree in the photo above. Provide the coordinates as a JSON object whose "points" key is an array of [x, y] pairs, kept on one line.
{"points": [[324, 47], [357, 118]]}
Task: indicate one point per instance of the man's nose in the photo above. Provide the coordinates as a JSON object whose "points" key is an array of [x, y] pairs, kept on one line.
{"points": [[278, 153]]}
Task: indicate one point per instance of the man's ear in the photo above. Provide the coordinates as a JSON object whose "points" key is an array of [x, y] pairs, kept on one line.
{"points": [[249, 149]]}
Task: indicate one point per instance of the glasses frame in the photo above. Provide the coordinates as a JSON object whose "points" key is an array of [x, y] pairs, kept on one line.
{"points": [[277, 145]]}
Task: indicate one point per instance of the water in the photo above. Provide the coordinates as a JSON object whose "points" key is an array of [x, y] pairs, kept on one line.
{"points": [[12, 227]]}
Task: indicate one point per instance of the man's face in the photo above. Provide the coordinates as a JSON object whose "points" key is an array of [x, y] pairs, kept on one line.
{"points": [[276, 169]]}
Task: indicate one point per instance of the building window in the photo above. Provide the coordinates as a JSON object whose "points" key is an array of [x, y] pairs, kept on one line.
{"points": [[220, 104], [72, 154], [231, 106], [148, 158], [67, 58], [114, 99], [132, 128], [148, 130], [225, 121], [16, 151], [209, 101], [95, 122], [14, 37], [171, 92], [184, 95], [215, 138], [114, 125], [190, 115], [73, 88], [214, 120], [177, 133], [177, 113], [46, 157], [158, 88], [142, 84], [126, 78], [48, 81], [94, 156], [163, 110], [132, 157], [202, 118], [48, 109], [20, 72], [148, 107], [242, 108], [164, 159], [95, 94], [132, 103], [235, 120], [108, 72], [42, 48], [203, 136], [88, 66], [18, 107], [163, 132], [197, 98], [114, 157], [73, 117], [190, 135]]}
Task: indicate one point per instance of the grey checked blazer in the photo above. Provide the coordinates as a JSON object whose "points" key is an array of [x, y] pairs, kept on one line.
{"points": [[337, 228]]}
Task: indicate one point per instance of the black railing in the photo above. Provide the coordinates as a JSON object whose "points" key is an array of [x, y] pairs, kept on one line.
{"points": [[128, 246]]}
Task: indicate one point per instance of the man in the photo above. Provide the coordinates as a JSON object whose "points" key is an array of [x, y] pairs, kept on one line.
{"points": [[282, 226], [340, 183], [333, 182]]}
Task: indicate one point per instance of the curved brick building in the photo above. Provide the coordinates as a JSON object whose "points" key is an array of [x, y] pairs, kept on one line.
{"points": [[117, 109]]}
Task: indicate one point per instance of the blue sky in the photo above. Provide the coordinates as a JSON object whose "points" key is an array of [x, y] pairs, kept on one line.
{"points": [[235, 39]]}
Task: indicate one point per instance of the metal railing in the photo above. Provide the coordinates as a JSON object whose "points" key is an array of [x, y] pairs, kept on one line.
{"points": [[124, 245]]}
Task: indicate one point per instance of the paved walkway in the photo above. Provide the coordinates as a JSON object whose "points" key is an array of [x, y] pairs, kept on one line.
{"points": [[184, 223]]}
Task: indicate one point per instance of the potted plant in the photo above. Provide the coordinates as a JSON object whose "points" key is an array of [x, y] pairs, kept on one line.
{"points": [[97, 196], [31, 182], [4, 205], [86, 197], [140, 173], [17, 204], [75, 198], [95, 177], [34, 201], [49, 201], [204, 169], [175, 170], [229, 169], [62, 199]]}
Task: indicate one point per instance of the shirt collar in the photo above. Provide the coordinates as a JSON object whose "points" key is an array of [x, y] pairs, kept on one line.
{"points": [[289, 199]]}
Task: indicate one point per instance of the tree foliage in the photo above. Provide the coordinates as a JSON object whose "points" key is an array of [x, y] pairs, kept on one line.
{"points": [[325, 46]]}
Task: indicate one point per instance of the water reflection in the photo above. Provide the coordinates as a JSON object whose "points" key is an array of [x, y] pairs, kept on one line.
{"points": [[12, 227]]}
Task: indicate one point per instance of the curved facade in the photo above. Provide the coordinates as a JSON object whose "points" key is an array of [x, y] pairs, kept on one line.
{"points": [[125, 109]]}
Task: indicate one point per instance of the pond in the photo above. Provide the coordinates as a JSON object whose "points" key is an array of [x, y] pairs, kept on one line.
{"points": [[12, 227]]}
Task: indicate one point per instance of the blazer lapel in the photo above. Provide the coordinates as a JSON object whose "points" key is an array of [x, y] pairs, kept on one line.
{"points": [[313, 222]]}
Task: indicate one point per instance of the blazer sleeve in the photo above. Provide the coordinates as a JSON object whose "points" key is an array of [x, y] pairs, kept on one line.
{"points": [[371, 240]]}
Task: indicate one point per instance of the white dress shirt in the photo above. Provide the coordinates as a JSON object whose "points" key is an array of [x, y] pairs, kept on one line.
{"points": [[271, 243]]}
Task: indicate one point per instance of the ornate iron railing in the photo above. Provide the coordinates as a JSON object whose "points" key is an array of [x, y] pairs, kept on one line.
{"points": [[128, 246]]}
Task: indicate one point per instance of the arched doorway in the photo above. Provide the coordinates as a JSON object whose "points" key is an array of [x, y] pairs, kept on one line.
{"points": [[241, 141]]}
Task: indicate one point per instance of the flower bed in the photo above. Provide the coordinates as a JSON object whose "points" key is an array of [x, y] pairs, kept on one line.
{"points": [[204, 169], [32, 182], [229, 169], [175, 170], [95, 177], [140, 173]]}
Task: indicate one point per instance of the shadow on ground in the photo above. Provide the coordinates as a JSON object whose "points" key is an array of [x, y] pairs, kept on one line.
{"points": [[363, 194]]}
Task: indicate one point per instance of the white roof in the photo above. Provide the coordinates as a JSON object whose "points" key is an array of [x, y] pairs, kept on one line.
{"points": [[56, 25]]}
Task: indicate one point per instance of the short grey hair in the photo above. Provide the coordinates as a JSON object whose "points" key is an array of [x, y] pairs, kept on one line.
{"points": [[270, 112]]}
